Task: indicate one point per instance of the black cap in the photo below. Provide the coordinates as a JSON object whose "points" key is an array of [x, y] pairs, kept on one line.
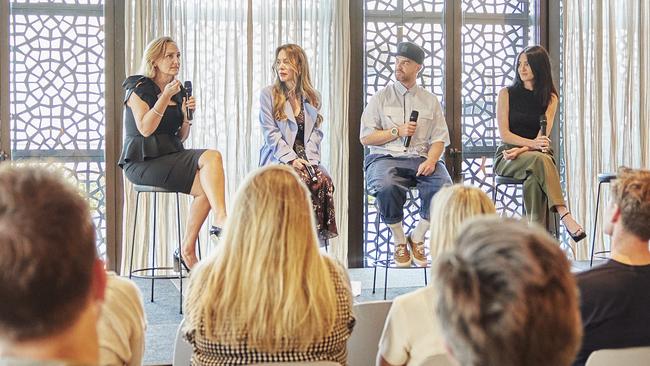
{"points": [[411, 51]]}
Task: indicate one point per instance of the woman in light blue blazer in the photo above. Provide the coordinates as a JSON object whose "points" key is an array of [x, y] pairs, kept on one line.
{"points": [[291, 124]]}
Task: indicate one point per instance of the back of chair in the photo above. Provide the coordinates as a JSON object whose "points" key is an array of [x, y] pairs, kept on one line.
{"points": [[315, 363], [364, 341], [182, 349], [438, 360], [637, 356]]}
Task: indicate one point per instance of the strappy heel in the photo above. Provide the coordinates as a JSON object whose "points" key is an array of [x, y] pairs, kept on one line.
{"points": [[578, 234], [178, 262]]}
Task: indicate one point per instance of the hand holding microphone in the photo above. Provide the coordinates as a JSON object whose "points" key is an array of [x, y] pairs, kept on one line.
{"points": [[542, 140], [410, 127], [189, 109], [300, 151]]}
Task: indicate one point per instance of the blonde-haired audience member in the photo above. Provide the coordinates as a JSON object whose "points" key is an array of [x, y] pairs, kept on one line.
{"points": [[122, 324], [268, 294], [506, 296], [411, 333]]}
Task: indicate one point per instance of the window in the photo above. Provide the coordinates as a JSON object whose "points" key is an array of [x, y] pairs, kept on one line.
{"points": [[486, 39], [56, 93]]}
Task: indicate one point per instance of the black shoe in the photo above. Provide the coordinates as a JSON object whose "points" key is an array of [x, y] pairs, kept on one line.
{"points": [[578, 234], [216, 231], [178, 261]]}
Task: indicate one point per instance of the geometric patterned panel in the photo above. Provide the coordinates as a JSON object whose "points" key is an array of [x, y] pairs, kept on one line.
{"points": [[387, 25], [57, 92], [388, 22], [496, 7], [478, 172], [488, 57], [57, 82], [377, 234]]}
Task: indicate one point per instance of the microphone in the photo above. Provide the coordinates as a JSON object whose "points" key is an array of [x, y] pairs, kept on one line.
{"points": [[412, 118], [300, 151], [542, 124], [188, 94]]}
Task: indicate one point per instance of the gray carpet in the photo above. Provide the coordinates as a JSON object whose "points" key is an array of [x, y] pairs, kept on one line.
{"points": [[163, 314]]}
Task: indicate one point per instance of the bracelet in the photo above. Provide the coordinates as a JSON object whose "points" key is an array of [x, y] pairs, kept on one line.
{"points": [[156, 112]]}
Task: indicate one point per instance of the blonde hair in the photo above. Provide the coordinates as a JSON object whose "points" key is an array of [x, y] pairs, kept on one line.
{"points": [[303, 87], [450, 207], [268, 282], [154, 50], [631, 192]]}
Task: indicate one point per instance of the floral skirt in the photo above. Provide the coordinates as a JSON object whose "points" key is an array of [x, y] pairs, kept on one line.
{"points": [[322, 198]]}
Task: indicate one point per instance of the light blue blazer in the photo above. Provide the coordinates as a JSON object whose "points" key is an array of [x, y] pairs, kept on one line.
{"points": [[279, 136]]}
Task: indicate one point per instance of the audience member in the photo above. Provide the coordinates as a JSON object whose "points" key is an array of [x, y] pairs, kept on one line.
{"points": [[411, 333], [268, 294], [506, 297], [51, 281], [615, 297], [122, 324]]}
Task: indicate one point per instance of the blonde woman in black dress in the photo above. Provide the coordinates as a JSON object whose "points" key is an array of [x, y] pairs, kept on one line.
{"points": [[156, 125]]}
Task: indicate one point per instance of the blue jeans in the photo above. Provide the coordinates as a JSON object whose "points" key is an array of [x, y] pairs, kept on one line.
{"points": [[389, 179]]}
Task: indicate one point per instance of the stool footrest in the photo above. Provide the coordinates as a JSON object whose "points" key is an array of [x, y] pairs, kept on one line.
{"points": [[155, 277]]}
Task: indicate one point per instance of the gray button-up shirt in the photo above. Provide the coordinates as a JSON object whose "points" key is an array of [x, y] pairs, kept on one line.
{"points": [[392, 106]]}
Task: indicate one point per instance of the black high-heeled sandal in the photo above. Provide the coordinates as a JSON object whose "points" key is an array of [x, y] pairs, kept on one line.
{"points": [[578, 234], [178, 261], [216, 231]]}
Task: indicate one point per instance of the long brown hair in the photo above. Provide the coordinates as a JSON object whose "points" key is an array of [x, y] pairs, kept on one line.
{"points": [[303, 86], [539, 62]]}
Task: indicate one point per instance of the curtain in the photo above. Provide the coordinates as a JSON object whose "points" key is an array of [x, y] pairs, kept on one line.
{"points": [[227, 50], [606, 105]]}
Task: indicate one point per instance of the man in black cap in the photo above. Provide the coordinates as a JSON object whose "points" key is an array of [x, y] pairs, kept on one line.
{"points": [[405, 154]]}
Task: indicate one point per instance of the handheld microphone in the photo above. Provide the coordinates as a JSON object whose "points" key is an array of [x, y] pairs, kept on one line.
{"points": [[542, 124], [188, 94], [300, 151], [412, 118]]}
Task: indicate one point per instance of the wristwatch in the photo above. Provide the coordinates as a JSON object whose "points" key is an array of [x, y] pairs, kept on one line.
{"points": [[394, 132]]}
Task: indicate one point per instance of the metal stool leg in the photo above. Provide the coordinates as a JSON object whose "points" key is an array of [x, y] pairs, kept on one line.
{"points": [[387, 264], [135, 223], [198, 244], [593, 234], [494, 192], [153, 251], [374, 276], [425, 276], [180, 270]]}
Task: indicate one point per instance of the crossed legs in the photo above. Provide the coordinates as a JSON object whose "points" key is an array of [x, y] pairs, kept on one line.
{"points": [[208, 191]]}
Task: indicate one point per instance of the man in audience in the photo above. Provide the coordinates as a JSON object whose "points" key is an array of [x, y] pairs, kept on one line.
{"points": [[51, 281], [506, 297], [615, 297], [405, 151]]}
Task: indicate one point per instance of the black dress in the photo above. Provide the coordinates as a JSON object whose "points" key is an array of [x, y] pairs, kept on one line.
{"points": [[160, 159]]}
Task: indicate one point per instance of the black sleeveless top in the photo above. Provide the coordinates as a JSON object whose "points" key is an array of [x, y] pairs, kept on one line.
{"points": [[164, 140], [525, 110]]}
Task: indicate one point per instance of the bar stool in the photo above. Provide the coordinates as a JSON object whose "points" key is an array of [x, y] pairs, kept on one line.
{"points": [[602, 178], [153, 276], [388, 262], [501, 180]]}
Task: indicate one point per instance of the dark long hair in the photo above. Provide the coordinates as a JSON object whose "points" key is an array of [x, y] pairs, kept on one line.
{"points": [[541, 66]]}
